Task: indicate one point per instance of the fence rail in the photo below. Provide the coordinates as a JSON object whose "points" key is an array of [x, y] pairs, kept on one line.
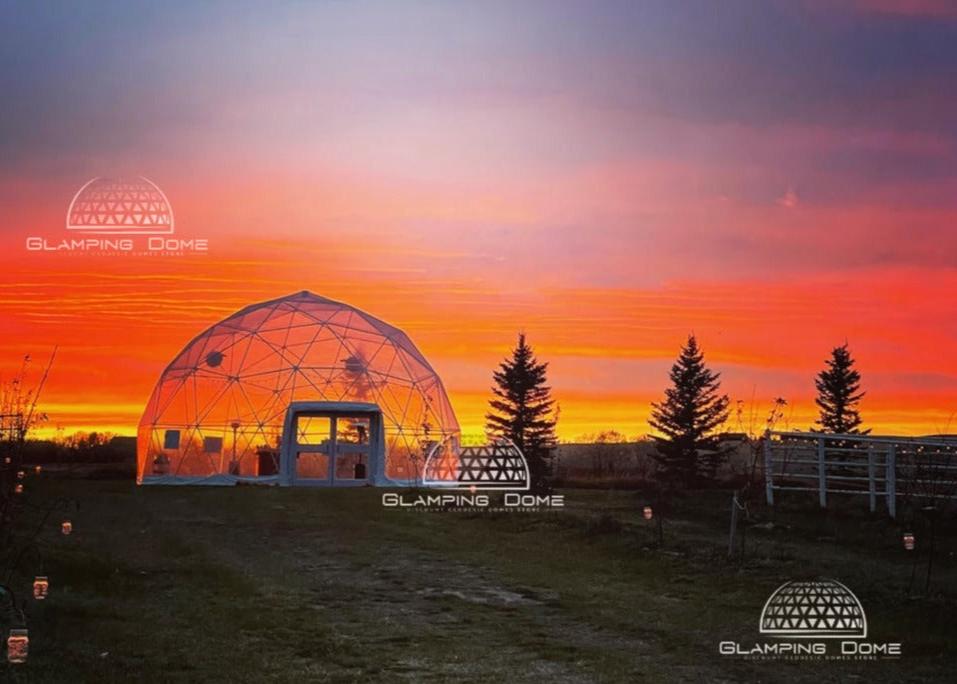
{"points": [[885, 467]]}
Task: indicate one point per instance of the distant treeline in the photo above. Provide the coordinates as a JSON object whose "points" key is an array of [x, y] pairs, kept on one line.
{"points": [[90, 447]]}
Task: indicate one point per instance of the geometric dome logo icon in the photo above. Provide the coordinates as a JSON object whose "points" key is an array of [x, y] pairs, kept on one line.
{"points": [[820, 609], [496, 466], [120, 206]]}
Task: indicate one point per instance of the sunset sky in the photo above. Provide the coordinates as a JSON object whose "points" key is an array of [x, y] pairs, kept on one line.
{"points": [[776, 177]]}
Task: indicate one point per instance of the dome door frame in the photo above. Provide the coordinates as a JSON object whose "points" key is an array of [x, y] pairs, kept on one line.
{"points": [[336, 412]]}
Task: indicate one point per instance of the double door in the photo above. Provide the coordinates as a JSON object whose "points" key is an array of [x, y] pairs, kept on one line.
{"points": [[329, 447]]}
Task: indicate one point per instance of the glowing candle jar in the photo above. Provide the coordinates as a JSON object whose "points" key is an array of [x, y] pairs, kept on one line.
{"points": [[41, 586], [38, 469], [648, 513], [909, 541], [18, 646], [18, 489], [21, 474], [66, 527]]}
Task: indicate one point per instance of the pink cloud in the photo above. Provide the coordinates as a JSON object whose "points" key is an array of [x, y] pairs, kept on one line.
{"points": [[789, 200], [934, 8]]}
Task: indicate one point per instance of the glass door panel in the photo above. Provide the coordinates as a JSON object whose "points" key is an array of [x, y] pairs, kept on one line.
{"points": [[313, 430], [315, 443], [352, 448], [312, 465]]}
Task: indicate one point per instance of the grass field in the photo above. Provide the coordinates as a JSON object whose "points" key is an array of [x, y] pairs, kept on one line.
{"points": [[262, 584]]}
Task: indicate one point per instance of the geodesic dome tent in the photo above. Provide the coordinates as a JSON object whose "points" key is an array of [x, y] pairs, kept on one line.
{"points": [[297, 390]]}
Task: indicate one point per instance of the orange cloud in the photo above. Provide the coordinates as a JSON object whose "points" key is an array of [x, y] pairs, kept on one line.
{"points": [[118, 321]]}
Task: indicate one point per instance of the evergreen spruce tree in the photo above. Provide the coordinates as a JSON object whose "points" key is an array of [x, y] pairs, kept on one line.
{"points": [[688, 449], [839, 394], [522, 410]]}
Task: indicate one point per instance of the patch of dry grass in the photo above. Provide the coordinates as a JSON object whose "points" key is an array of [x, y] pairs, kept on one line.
{"points": [[261, 584]]}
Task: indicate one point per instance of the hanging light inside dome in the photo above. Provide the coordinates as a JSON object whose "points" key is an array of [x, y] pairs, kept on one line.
{"points": [[18, 645], [66, 527], [355, 365], [909, 541], [648, 512], [41, 586]]}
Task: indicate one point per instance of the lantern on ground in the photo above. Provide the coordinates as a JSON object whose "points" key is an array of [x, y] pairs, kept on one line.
{"points": [[647, 512], [18, 645], [18, 489], [66, 527], [909, 541], [41, 586]]}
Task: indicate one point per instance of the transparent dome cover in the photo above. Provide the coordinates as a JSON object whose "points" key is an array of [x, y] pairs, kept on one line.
{"points": [[218, 410]]}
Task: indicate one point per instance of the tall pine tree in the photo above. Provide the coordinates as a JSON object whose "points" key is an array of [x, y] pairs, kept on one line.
{"points": [[839, 394], [688, 449], [522, 410]]}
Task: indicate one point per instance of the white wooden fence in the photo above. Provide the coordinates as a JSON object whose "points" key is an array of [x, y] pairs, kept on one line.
{"points": [[877, 467]]}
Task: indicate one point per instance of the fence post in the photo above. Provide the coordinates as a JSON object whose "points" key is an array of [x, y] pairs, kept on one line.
{"points": [[821, 473], [871, 479], [890, 481], [734, 524], [768, 474]]}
